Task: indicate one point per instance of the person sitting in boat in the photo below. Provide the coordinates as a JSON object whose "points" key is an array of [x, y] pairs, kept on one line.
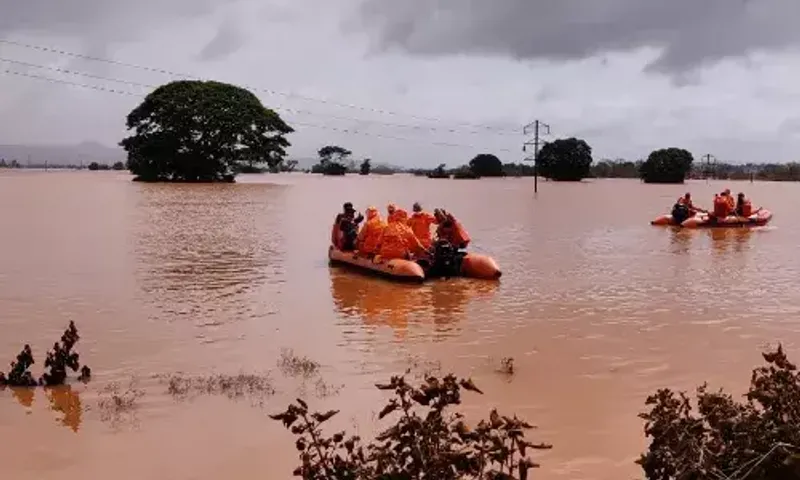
{"points": [[450, 230], [369, 237], [684, 208], [390, 209], [420, 223], [724, 205], [744, 208], [397, 239], [345, 228]]}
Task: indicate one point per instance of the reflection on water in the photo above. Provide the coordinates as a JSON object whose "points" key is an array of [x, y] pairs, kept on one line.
{"points": [[379, 302], [23, 395], [203, 249], [65, 400], [735, 239]]}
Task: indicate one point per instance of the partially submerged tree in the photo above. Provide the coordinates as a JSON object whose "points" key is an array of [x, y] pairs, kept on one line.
{"points": [[565, 160], [439, 172], [667, 165], [333, 160], [202, 131], [366, 167], [486, 165]]}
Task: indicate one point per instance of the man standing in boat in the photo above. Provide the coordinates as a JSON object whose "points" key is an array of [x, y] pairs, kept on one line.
{"points": [[345, 228]]}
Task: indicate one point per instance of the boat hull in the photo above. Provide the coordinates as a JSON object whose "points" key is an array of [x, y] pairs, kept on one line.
{"points": [[399, 269], [473, 265], [758, 219]]}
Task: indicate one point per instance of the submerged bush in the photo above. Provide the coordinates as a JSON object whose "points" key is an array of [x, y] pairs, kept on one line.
{"points": [[430, 443], [58, 360], [755, 439]]}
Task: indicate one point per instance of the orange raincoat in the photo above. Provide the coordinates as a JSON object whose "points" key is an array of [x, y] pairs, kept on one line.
{"points": [[420, 223], [369, 237], [398, 241], [455, 233]]}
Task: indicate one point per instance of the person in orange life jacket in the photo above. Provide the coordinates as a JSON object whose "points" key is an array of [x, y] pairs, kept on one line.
{"points": [[744, 208], [397, 240], [450, 229], [684, 208], [420, 222], [345, 228], [390, 210], [686, 200], [724, 204], [369, 237]]}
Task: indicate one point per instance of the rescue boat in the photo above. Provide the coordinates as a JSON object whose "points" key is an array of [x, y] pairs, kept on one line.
{"points": [[473, 265], [397, 268], [758, 219]]}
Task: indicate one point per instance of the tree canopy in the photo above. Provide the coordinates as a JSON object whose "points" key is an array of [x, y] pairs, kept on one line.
{"points": [[667, 165], [202, 131], [486, 165], [366, 167], [332, 160], [566, 160]]}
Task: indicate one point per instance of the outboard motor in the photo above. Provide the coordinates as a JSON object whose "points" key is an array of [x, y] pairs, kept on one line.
{"points": [[445, 261]]}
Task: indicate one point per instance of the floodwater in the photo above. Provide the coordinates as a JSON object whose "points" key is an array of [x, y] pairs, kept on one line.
{"points": [[596, 307]]}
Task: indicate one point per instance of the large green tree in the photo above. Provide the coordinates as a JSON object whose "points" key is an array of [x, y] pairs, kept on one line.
{"points": [[486, 165], [332, 160], [667, 165], [202, 131], [565, 160]]}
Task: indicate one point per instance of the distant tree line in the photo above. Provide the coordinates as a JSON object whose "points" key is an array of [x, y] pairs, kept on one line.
{"points": [[336, 160]]}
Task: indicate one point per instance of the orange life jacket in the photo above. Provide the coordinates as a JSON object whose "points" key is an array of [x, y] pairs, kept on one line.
{"points": [[420, 223], [722, 206], [454, 233], [397, 240], [369, 237], [747, 208]]}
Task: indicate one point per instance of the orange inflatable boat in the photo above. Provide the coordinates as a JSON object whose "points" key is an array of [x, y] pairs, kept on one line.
{"points": [[473, 265], [398, 268], [758, 219], [665, 220]]}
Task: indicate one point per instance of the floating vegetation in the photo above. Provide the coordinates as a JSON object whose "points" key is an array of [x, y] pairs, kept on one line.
{"points": [[118, 406], [58, 360], [507, 366], [292, 365], [231, 386]]}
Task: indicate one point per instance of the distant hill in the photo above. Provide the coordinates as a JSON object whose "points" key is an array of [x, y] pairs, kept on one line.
{"points": [[85, 152]]}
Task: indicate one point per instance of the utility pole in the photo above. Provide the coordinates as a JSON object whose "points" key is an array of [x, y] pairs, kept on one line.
{"points": [[709, 170], [538, 127]]}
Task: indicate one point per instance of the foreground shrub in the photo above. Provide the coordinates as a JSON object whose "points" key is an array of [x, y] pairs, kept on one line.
{"points": [[758, 438], [427, 444]]}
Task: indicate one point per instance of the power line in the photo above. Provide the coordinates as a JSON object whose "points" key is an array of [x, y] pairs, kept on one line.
{"points": [[312, 125], [489, 128], [287, 109], [537, 126]]}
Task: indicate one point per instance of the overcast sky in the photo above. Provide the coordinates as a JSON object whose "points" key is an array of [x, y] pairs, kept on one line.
{"points": [[435, 81]]}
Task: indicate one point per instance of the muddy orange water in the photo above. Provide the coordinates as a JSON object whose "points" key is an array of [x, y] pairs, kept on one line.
{"points": [[596, 307]]}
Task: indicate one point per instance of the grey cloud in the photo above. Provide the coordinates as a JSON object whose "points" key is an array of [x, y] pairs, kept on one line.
{"points": [[99, 20], [691, 33], [228, 39]]}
